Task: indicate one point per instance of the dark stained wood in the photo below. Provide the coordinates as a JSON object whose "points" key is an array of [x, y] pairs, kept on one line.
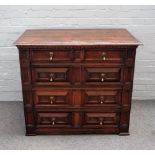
{"points": [[51, 56], [77, 81], [100, 98], [100, 75], [77, 37], [101, 55], [53, 98], [99, 120], [52, 76], [54, 119]]}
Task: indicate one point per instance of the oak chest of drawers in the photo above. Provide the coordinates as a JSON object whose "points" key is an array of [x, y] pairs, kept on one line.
{"points": [[77, 81]]}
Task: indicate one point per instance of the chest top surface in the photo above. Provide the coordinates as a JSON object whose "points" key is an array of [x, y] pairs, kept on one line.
{"points": [[73, 37]]}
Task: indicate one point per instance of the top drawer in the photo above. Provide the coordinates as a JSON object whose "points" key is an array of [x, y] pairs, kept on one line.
{"points": [[104, 55], [87, 55], [51, 56]]}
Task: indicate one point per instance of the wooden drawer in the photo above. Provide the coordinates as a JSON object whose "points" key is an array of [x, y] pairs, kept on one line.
{"points": [[101, 75], [101, 97], [99, 119], [51, 55], [103, 55], [52, 76], [99, 56], [54, 119], [54, 98]]}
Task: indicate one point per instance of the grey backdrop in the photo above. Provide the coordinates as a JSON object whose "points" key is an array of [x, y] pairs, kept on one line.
{"points": [[139, 20]]}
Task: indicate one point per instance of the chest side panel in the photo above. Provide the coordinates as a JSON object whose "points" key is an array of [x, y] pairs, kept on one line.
{"points": [[25, 68]]}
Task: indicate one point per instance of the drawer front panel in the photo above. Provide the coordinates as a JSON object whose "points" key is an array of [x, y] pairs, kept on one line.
{"points": [[54, 119], [98, 119], [51, 56], [101, 97], [101, 75], [52, 76], [53, 98], [112, 56]]}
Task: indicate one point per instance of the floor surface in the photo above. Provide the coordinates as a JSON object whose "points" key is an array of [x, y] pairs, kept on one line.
{"points": [[142, 132]]}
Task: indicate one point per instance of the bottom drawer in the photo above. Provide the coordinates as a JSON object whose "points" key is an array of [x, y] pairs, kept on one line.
{"points": [[57, 122], [54, 119], [99, 119]]}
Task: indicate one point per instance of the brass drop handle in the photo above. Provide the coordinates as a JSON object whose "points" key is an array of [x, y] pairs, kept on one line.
{"points": [[103, 56], [102, 77], [101, 121], [51, 77], [51, 99], [53, 120], [102, 99], [51, 56]]}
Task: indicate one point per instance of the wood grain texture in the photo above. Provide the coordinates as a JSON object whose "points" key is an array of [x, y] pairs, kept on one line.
{"points": [[70, 90], [77, 37]]}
